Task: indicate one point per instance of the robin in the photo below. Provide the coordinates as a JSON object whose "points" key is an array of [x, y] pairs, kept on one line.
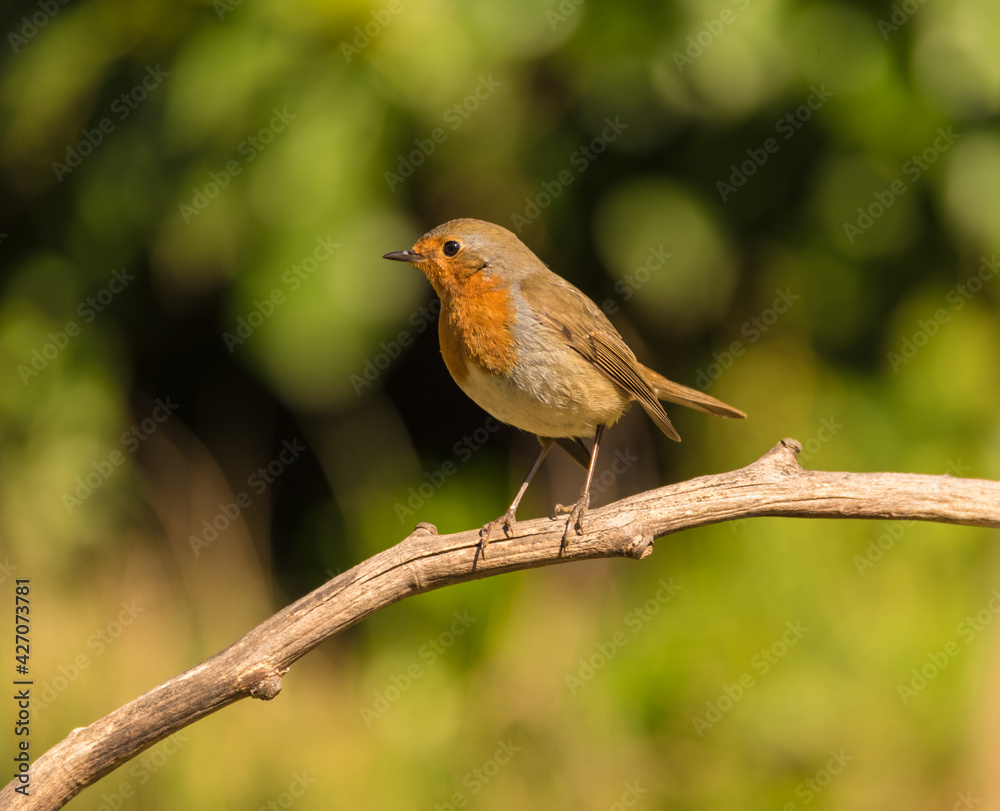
{"points": [[535, 352]]}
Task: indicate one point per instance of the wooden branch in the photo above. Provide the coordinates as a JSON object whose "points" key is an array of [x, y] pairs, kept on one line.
{"points": [[774, 485]]}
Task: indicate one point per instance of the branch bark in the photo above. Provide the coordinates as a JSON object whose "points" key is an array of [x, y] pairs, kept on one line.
{"points": [[774, 485]]}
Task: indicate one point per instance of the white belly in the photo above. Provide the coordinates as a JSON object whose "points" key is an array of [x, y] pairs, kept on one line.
{"points": [[535, 400]]}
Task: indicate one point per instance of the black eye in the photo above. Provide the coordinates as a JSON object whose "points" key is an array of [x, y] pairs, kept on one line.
{"points": [[451, 247]]}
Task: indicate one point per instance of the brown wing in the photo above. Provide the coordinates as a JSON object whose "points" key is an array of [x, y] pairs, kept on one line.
{"points": [[591, 334]]}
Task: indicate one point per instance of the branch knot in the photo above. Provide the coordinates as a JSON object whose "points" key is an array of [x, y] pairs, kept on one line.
{"points": [[262, 682]]}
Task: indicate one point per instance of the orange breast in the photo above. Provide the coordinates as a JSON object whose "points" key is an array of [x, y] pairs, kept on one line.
{"points": [[475, 327]]}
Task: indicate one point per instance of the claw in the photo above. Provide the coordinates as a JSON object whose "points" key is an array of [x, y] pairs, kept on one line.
{"points": [[506, 521], [576, 513]]}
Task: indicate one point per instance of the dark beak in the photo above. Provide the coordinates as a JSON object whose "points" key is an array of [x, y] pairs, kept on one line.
{"points": [[404, 256]]}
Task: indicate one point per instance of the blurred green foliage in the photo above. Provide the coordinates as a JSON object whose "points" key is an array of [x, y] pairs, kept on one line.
{"points": [[793, 205]]}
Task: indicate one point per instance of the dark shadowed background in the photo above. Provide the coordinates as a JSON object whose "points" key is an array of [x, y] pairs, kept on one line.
{"points": [[216, 394]]}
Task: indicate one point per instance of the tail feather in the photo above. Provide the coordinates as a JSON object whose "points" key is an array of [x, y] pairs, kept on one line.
{"points": [[575, 448], [692, 398]]}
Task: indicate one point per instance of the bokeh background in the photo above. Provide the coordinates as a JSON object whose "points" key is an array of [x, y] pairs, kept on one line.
{"points": [[792, 205]]}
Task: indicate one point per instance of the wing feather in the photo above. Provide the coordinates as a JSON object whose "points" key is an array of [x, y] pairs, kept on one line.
{"points": [[595, 338]]}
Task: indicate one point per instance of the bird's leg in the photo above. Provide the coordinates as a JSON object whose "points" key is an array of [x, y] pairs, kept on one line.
{"points": [[577, 511], [507, 519]]}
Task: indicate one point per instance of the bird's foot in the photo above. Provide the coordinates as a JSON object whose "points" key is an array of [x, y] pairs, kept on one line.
{"points": [[506, 521], [576, 513]]}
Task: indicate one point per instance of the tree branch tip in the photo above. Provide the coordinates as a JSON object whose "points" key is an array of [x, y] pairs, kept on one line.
{"points": [[782, 458], [791, 444], [422, 529]]}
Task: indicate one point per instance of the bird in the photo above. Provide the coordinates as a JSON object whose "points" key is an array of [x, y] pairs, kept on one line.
{"points": [[536, 353]]}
